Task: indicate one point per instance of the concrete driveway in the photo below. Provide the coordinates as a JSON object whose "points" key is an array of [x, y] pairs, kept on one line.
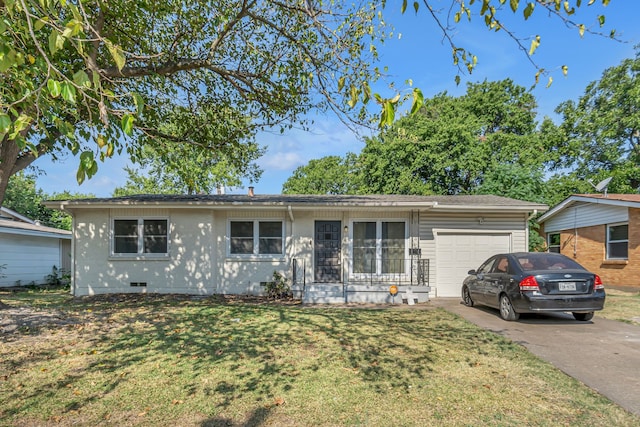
{"points": [[603, 354]]}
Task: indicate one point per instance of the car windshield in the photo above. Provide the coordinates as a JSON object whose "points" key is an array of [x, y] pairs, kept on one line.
{"points": [[548, 261]]}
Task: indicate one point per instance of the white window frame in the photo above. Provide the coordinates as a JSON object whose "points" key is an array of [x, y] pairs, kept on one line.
{"points": [[256, 238], [140, 230], [617, 241], [549, 245], [378, 252]]}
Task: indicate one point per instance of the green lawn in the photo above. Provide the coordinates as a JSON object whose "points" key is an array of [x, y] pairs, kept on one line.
{"points": [[215, 362], [622, 306]]}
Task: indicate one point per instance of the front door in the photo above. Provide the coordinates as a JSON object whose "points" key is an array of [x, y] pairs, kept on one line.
{"points": [[327, 252]]}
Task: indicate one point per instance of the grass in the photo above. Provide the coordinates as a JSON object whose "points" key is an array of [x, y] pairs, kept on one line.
{"points": [[623, 306], [216, 362]]}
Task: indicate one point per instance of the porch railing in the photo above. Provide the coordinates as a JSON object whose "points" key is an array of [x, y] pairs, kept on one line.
{"points": [[299, 273], [383, 271]]}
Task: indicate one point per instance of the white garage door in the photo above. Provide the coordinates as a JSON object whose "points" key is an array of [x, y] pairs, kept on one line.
{"points": [[457, 253]]}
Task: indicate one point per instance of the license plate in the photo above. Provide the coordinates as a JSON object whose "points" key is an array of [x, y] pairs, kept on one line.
{"points": [[567, 286]]}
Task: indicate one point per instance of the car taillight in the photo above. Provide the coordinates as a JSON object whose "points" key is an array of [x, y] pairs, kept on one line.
{"points": [[597, 283], [529, 283]]}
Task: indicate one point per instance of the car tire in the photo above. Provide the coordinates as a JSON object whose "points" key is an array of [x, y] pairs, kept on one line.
{"points": [[506, 309], [583, 317], [466, 297]]}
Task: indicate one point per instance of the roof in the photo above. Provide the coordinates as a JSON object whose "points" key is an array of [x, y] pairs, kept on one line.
{"points": [[625, 200], [464, 202], [6, 213], [12, 222]]}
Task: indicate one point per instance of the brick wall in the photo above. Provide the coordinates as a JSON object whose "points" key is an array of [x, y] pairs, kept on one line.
{"points": [[588, 247]]}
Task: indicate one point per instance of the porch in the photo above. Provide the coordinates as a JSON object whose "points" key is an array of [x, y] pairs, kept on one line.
{"points": [[367, 283]]}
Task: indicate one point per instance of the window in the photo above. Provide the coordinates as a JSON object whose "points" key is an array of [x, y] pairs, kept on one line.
{"points": [[256, 238], [553, 242], [618, 241], [140, 236], [379, 247]]}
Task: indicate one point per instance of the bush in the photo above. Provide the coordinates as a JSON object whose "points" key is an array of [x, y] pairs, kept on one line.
{"points": [[278, 287]]}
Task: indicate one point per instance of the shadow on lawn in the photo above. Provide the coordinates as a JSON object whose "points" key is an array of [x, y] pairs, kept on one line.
{"points": [[263, 349]]}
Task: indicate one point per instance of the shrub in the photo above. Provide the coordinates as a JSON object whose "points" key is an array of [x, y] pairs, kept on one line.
{"points": [[278, 287]]}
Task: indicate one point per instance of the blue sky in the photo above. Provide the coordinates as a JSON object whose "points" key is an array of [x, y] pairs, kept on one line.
{"points": [[417, 52]]}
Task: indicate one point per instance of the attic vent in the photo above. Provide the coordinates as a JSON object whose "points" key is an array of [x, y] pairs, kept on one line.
{"points": [[138, 284]]}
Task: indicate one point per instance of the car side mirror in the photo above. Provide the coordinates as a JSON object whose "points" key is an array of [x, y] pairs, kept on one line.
{"points": [[471, 272]]}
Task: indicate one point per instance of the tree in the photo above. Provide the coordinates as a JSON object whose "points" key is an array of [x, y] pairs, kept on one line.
{"points": [[25, 198], [451, 144], [166, 168], [328, 175], [93, 78], [599, 135]]}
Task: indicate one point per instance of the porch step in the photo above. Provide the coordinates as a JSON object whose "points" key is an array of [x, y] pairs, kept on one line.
{"points": [[323, 294]]}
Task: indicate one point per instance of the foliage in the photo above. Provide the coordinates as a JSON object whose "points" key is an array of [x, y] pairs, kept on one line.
{"points": [[96, 78], [57, 277], [278, 287], [328, 175], [189, 170], [600, 132], [452, 143], [23, 197], [495, 16]]}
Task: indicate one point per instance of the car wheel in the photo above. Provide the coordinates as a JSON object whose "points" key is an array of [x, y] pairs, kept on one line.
{"points": [[506, 309], [583, 317], [466, 297]]}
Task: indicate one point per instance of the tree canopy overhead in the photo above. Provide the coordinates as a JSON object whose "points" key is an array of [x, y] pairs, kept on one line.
{"points": [[96, 77]]}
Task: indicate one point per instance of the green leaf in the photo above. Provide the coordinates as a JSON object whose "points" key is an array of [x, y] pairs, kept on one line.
{"points": [[80, 175], [581, 29], [54, 88], [68, 92], [341, 83], [5, 123], [418, 101], [21, 123], [404, 6], [550, 81], [601, 20], [138, 101], [40, 23], [7, 60], [528, 10], [127, 124], [116, 53], [565, 70], [101, 141], [514, 5], [81, 78], [56, 42], [416, 6]]}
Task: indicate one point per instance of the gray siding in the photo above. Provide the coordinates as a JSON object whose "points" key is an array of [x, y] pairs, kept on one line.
{"points": [[27, 258], [586, 215], [476, 223]]}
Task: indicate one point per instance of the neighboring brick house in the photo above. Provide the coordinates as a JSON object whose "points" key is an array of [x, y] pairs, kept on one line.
{"points": [[600, 231]]}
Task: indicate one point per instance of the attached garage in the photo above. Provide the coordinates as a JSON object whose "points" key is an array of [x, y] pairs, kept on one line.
{"points": [[459, 252]]}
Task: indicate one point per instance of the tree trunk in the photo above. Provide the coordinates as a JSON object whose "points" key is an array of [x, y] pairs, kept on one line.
{"points": [[8, 155]]}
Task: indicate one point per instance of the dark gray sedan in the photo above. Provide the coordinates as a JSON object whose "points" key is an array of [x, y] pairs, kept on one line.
{"points": [[534, 282]]}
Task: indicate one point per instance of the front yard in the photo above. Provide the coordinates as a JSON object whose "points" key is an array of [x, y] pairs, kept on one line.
{"points": [[119, 360]]}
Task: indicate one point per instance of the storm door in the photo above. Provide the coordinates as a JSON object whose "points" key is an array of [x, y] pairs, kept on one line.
{"points": [[327, 251]]}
